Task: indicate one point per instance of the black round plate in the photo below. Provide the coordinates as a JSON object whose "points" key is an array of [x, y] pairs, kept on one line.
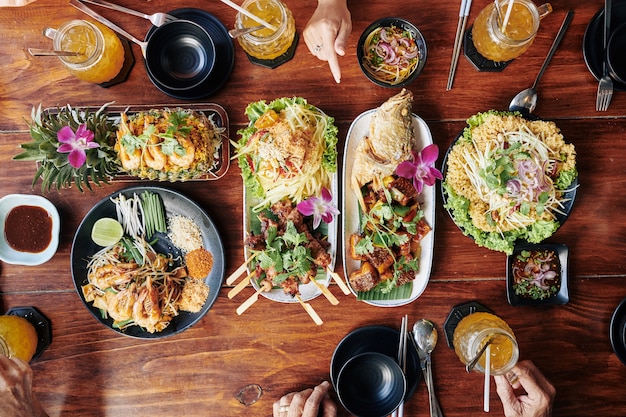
{"points": [[224, 55], [379, 339], [569, 196], [175, 204], [617, 331], [593, 50]]}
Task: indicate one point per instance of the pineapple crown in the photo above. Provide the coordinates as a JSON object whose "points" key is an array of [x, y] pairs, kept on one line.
{"points": [[61, 138]]}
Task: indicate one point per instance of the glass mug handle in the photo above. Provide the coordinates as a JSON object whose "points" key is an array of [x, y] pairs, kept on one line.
{"points": [[544, 10], [49, 33]]}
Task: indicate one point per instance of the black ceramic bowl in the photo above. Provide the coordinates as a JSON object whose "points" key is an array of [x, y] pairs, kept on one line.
{"points": [[371, 385], [405, 25], [180, 55], [561, 296], [615, 54]]}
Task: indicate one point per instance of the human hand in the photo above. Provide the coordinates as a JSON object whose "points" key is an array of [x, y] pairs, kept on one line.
{"points": [[16, 383], [536, 402], [326, 33], [307, 403]]}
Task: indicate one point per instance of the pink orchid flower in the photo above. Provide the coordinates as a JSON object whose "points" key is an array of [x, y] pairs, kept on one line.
{"points": [[76, 144], [421, 169], [319, 208]]}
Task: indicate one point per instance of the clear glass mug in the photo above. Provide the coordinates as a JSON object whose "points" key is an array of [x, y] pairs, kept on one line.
{"points": [[474, 330], [265, 43], [499, 44], [101, 51]]}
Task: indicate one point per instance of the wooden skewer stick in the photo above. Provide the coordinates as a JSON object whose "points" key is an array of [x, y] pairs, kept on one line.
{"points": [[309, 309], [339, 281], [243, 284], [329, 295], [233, 277], [246, 304]]}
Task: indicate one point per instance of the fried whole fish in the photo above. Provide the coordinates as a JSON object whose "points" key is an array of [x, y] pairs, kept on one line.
{"points": [[389, 143]]}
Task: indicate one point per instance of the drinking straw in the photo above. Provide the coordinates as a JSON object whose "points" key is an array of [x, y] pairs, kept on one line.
{"points": [[250, 15], [507, 15], [487, 378]]}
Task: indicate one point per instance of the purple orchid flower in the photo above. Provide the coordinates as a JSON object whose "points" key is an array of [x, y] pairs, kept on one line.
{"points": [[320, 208], [76, 144], [421, 169]]}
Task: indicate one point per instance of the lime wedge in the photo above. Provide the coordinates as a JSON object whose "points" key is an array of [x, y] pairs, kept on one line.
{"points": [[107, 232]]}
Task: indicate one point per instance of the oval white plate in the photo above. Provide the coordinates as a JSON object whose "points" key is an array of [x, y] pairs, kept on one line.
{"points": [[350, 210]]}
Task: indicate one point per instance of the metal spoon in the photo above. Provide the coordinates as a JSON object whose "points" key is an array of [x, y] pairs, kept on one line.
{"points": [[471, 364], [235, 33], [525, 101], [51, 52], [425, 335]]}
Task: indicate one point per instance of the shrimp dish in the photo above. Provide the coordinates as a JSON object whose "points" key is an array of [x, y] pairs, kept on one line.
{"points": [[172, 145]]}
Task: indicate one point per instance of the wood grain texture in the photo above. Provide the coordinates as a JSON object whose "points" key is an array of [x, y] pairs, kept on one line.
{"points": [[90, 370]]}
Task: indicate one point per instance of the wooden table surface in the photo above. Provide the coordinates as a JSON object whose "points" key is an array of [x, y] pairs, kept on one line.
{"points": [[89, 370]]}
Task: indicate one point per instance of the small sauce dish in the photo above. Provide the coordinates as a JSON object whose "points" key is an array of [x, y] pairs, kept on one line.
{"points": [[14, 207]]}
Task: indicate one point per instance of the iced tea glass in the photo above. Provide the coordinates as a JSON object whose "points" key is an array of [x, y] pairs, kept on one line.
{"points": [[473, 332], [498, 43], [101, 51]]}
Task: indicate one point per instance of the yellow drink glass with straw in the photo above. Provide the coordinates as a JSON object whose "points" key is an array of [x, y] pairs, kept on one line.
{"points": [[505, 35], [474, 331], [266, 43]]}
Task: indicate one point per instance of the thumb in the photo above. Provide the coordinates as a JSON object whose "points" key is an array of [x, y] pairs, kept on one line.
{"points": [[505, 392], [342, 38]]}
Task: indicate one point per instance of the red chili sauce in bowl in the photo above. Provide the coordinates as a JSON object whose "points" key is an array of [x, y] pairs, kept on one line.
{"points": [[536, 274], [28, 229]]}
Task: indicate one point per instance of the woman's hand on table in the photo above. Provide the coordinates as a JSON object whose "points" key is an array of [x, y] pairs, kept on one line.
{"points": [[16, 389], [538, 397], [326, 33], [307, 403]]}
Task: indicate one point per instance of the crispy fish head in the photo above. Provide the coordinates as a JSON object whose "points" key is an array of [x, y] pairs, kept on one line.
{"points": [[391, 129], [389, 143]]}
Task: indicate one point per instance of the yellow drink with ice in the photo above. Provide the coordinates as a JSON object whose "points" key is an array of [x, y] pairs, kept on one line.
{"points": [[18, 338], [266, 43], [474, 330], [101, 51], [500, 43]]}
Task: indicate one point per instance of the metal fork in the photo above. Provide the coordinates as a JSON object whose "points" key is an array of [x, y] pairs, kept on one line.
{"points": [[157, 19], [605, 86]]}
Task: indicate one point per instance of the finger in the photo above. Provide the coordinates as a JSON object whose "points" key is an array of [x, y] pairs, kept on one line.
{"points": [[329, 408], [312, 404], [297, 403], [333, 63], [506, 394], [342, 38]]}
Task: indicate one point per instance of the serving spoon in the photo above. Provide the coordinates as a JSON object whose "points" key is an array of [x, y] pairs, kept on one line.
{"points": [[526, 100], [425, 335]]}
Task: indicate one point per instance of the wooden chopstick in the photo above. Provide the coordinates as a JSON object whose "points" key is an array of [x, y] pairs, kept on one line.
{"points": [[243, 284], [329, 295], [233, 277], [339, 281], [309, 309], [402, 358], [458, 40]]}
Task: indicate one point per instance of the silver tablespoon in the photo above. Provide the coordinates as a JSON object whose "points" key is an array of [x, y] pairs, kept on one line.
{"points": [[235, 33], [425, 335], [525, 101]]}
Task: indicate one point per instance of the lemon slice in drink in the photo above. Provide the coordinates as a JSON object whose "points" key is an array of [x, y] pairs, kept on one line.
{"points": [[106, 232]]}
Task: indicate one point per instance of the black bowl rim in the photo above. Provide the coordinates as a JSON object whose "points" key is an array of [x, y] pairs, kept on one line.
{"points": [[398, 21], [212, 51], [390, 364], [562, 297], [618, 74]]}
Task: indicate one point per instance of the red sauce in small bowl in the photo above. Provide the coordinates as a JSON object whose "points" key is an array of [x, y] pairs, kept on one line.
{"points": [[28, 229]]}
